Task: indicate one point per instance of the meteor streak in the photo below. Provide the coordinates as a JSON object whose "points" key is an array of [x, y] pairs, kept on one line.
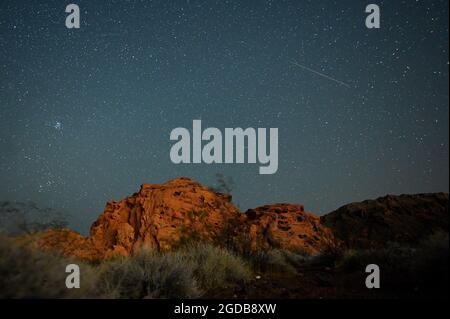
{"points": [[320, 74]]}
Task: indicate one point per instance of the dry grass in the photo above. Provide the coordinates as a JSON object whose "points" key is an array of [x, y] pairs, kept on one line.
{"points": [[197, 269], [29, 273], [186, 273]]}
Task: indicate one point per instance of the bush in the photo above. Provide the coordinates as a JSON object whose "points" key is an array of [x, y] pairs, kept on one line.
{"points": [[148, 275], [274, 261], [185, 273], [29, 273], [391, 258], [19, 218], [216, 267], [423, 269], [431, 264], [297, 259]]}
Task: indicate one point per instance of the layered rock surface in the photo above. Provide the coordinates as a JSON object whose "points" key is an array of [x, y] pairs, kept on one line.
{"points": [[161, 217], [285, 226], [68, 243]]}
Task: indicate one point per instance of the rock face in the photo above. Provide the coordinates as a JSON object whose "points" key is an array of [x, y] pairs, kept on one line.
{"points": [[403, 219], [285, 226], [68, 243], [161, 217]]}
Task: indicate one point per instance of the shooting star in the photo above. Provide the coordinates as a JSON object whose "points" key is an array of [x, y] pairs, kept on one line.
{"points": [[320, 74]]}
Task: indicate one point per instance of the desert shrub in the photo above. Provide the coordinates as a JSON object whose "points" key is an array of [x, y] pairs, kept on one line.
{"points": [[423, 268], [19, 218], [29, 273], [224, 184], [431, 263], [391, 258], [215, 267], [394, 262], [185, 273], [329, 257], [148, 275], [297, 259], [271, 261]]}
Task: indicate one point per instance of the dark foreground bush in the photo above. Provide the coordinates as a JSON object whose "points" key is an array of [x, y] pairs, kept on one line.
{"points": [[431, 265], [189, 272], [29, 273], [276, 261], [215, 267], [185, 273], [148, 275], [198, 269], [423, 268]]}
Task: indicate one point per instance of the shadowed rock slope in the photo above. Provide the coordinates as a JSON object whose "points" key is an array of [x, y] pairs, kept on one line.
{"points": [[402, 219]]}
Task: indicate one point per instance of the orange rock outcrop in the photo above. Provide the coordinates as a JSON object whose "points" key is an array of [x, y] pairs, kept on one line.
{"points": [[162, 217], [285, 226]]}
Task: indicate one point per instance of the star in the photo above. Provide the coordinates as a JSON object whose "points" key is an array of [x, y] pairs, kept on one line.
{"points": [[58, 126]]}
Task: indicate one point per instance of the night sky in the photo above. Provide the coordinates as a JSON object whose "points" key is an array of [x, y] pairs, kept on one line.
{"points": [[86, 114]]}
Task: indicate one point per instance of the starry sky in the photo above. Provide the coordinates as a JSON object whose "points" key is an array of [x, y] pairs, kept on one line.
{"points": [[86, 114]]}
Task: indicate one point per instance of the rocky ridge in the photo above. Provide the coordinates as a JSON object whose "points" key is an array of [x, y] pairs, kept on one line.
{"points": [[164, 216]]}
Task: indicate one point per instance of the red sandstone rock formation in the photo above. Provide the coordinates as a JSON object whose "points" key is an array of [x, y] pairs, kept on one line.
{"points": [[161, 217], [285, 226], [68, 243]]}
